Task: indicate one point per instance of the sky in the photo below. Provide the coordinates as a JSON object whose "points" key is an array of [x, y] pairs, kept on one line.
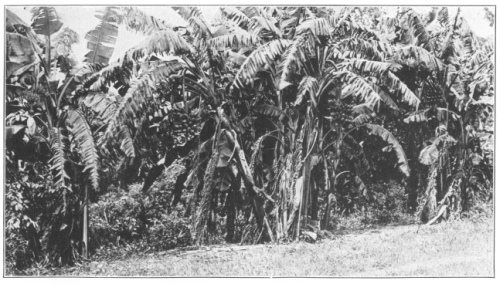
{"points": [[81, 19]]}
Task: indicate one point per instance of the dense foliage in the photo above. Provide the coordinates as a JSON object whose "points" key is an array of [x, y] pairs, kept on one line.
{"points": [[266, 124]]}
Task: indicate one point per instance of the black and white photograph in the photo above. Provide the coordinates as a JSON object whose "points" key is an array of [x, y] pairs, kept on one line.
{"points": [[240, 140]]}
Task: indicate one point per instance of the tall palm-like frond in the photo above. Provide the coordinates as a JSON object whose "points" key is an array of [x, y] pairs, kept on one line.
{"points": [[236, 40], [255, 11], [84, 142], [295, 59], [46, 21], [444, 17], [365, 49], [102, 105], [136, 20], [406, 94], [375, 67], [261, 58], [308, 85], [264, 27], [126, 124], [101, 40], [194, 17], [236, 15], [382, 69], [109, 74], [416, 56], [319, 27], [346, 28], [352, 85], [163, 42], [131, 108], [418, 30], [59, 147], [384, 96]]}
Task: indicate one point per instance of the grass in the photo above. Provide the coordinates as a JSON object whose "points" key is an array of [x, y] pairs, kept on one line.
{"points": [[451, 249]]}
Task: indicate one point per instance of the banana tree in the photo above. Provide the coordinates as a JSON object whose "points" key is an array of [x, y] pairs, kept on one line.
{"points": [[298, 85], [305, 78], [59, 134], [450, 108]]}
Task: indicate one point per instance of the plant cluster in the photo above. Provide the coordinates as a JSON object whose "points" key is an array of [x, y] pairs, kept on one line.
{"points": [[281, 117]]}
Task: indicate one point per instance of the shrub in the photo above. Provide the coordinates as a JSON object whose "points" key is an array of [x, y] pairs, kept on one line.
{"points": [[140, 221]]}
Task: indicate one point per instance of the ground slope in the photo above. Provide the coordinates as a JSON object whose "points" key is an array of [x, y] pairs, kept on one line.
{"points": [[457, 248]]}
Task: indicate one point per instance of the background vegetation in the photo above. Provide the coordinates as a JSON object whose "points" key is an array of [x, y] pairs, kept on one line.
{"points": [[267, 124]]}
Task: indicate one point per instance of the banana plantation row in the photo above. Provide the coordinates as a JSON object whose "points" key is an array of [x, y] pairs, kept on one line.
{"points": [[280, 117]]}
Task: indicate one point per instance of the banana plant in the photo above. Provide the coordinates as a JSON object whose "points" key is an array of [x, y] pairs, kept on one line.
{"points": [[59, 135]]}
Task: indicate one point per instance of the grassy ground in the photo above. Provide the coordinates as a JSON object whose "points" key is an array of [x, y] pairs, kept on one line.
{"points": [[455, 248]]}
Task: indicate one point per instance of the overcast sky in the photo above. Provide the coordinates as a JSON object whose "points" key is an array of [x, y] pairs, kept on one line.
{"points": [[81, 19]]}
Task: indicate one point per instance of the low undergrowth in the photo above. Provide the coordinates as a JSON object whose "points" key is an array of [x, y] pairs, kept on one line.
{"points": [[456, 248], [129, 227]]}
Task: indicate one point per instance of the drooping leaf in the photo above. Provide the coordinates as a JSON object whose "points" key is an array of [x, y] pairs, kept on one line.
{"points": [[295, 59], [401, 89], [234, 14], [264, 27], [62, 42], [88, 69], [125, 124], [256, 11], [383, 70], [194, 17], [430, 153], [363, 109], [118, 133], [163, 42], [319, 27], [102, 105], [258, 60], [59, 147], [113, 73], [376, 67], [347, 27], [417, 116], [308, 85], [354, 85], [444, 17], [20, 53], [387, 136], [84, 142], [235, 57], [441, 115], [416, 56], [365, 49], [14, 23], [385, 97], [270, 111], [419, 32], [362, 119]]}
